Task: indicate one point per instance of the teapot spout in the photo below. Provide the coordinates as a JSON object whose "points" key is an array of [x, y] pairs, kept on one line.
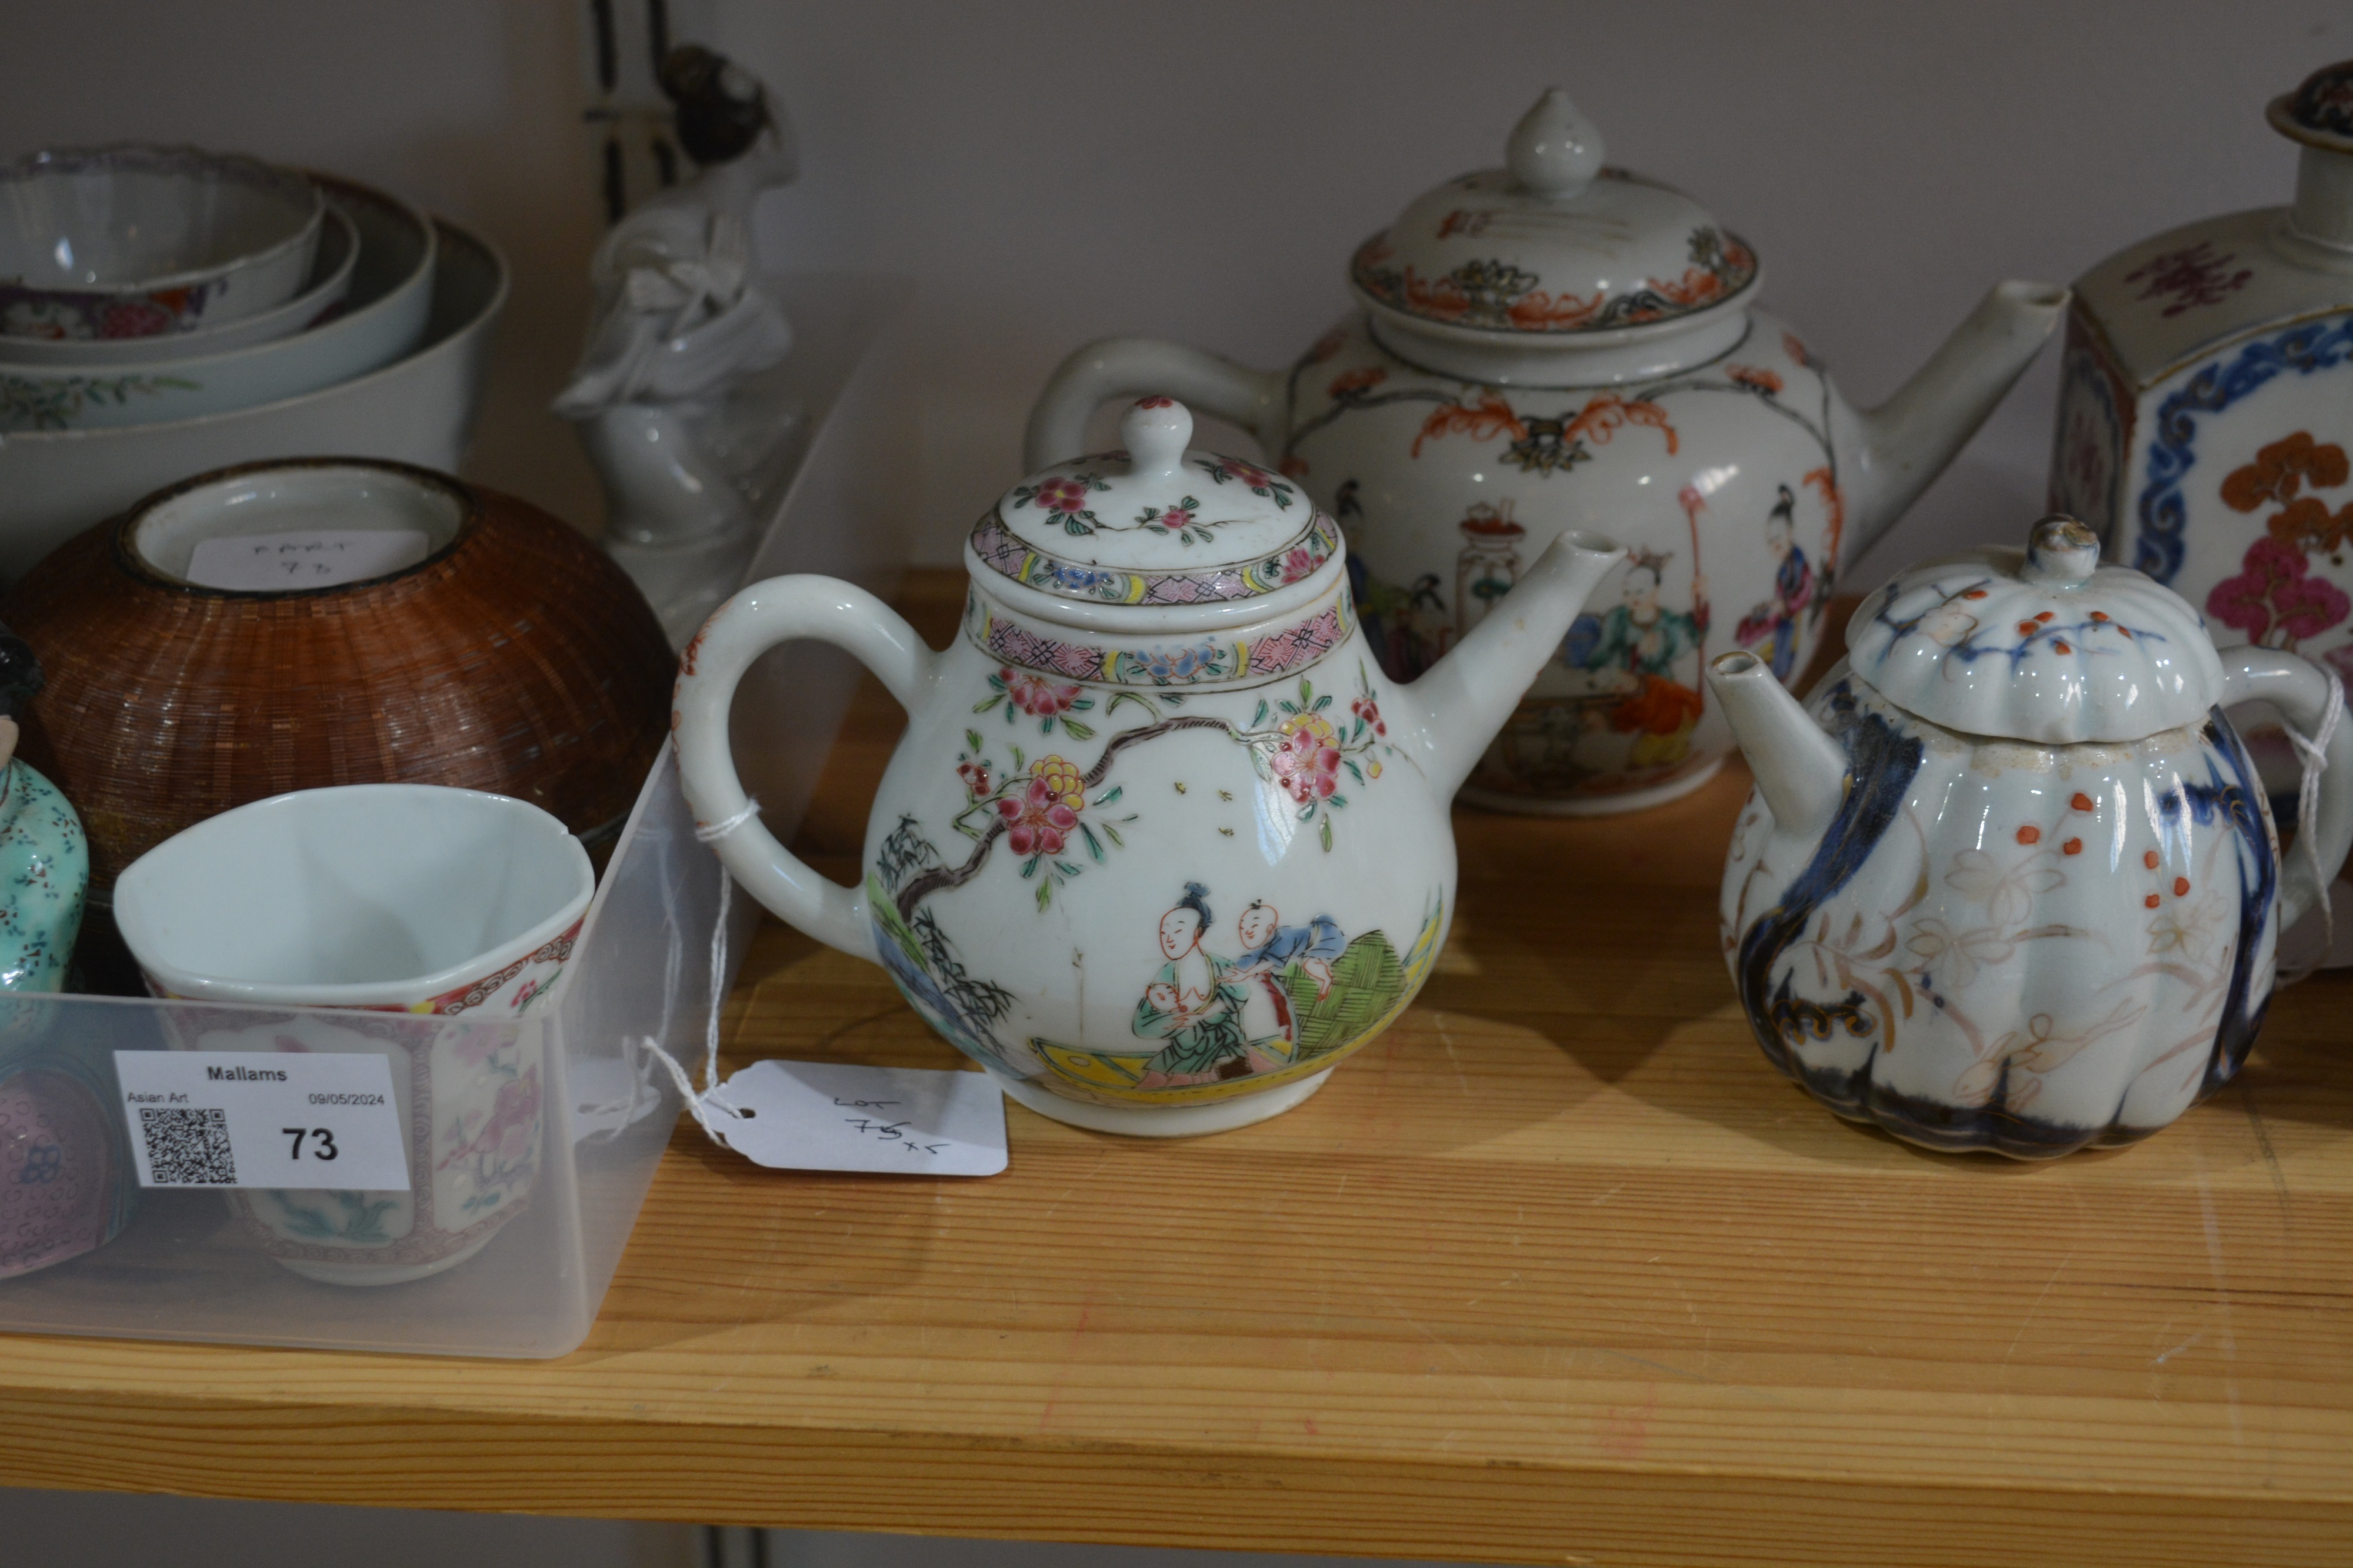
{"points": [[1908, 439], [1461, 701], [1799, 770]]}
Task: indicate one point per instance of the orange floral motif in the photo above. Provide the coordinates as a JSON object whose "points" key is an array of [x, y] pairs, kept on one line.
{"points": [[1755, 378], [2307, 522], [1603, 415], [2277, 477], [2280, 471], [1482, 421], [1539, 312], [1357, 380]]}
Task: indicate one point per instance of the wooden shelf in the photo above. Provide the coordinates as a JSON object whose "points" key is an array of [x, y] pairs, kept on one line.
{"points": [[1558, 1270]]}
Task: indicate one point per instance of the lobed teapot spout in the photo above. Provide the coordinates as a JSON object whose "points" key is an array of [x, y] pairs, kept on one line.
{"points": [[1464, 699], [1801, 771], [1908, 439]]}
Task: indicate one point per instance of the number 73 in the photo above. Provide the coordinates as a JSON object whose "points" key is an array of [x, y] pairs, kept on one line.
{"points": [[322, 1141]]}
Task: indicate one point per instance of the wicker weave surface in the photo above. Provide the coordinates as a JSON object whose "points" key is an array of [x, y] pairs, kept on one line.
{"points": [[517, 660]]}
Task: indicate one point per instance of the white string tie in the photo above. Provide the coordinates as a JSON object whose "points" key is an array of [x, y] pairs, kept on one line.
{"points": [[721, 829], [703, 1103], [2315, 752]]}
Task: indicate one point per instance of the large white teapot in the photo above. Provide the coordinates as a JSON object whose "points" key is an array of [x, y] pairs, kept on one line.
{"points": [[1558, 344], [2007, 880], [1162, 843]]}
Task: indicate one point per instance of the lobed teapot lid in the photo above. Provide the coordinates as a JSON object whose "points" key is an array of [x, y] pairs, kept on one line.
{"points": [[1156, 522], [2042, 644], [1554, 245]]}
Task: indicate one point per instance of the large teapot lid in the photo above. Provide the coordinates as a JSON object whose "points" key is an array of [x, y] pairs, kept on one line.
{"points": [[1554, 245], [2042, 644], [1156, 522]]}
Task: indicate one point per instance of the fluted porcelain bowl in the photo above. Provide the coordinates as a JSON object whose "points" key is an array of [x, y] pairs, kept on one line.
{"points": [[134, 241], [323, 292], [391, 296]]}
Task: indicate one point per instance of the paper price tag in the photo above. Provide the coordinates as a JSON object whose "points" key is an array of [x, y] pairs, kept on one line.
{"points": [[263, 1118], [312, 558], [831, 1116]]}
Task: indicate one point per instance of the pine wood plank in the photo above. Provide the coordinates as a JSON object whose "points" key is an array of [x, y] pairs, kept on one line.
{"points": [[1557, 1271]]}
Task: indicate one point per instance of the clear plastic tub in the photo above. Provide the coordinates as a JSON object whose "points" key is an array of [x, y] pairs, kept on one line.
{"points": [[198, 1264], [570, 1153]]}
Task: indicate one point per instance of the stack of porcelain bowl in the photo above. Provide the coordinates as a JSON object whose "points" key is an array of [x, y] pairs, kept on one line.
{"points": [[165, 311]]}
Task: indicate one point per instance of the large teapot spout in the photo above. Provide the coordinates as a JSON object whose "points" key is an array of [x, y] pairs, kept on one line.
{"points": [[1799, 770], [1908, 439], [1462, 700]]}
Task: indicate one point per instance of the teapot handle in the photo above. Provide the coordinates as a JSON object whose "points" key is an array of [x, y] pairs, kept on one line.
{"points": [[1136, 367], [756, 620], [2300, 692]]}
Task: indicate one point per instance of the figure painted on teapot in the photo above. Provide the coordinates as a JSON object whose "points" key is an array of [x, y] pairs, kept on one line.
{"points": [[1163, 844], [2007, 880], [2206, 405], [1558, 341]]}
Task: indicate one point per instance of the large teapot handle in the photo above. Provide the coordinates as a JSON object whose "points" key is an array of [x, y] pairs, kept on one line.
{"points": [[1120, 368], [756, 620], [2301, 692]]}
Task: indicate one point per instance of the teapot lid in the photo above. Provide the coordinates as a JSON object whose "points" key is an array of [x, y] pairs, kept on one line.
{"points": [[1156, 522], [2319, 113], [2042, 644], [1554, 245]]}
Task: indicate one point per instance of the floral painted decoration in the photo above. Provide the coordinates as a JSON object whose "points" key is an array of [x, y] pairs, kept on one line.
{"points": [[1255, 479], [2275, 598], [57, 402], [1048, 700], [1496, 295], [1064, 497]]}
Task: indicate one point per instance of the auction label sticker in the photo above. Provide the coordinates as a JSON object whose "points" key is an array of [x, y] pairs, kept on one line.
{"points": [[263, 1118]]}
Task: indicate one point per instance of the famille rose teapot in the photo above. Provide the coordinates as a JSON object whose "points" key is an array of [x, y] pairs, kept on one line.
{"points": [[2009, 880], [1162, 843], [1560, 344]]}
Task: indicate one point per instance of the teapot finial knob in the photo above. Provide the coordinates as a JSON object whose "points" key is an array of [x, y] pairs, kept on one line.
{"points": [[1156, 431], [1555, 151], [2061, 552]]}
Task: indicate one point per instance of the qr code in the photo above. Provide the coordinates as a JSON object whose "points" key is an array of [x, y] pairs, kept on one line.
{"points": [[188, 1148]]}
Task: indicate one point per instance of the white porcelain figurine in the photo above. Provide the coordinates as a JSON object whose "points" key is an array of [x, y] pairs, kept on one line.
{"points": [[1162, 843], [2007, 880], [681, 320], [1560, 344]]}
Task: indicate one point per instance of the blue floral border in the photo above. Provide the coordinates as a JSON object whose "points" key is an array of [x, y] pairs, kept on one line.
{"points": [[2308, 347]]}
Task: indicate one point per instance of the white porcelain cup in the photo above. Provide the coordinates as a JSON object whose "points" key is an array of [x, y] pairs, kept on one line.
{"points": [[410, 899]]}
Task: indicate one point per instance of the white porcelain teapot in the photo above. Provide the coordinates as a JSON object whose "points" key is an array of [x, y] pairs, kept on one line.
{"points": [[1162, 843], [1560, 344], [2007, 880]]}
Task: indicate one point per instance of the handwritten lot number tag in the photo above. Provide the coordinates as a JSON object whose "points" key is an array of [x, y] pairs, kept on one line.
{"points": [[829, 1116]]}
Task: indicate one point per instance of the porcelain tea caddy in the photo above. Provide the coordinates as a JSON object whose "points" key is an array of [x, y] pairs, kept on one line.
{"points": [[1162, 843], [2206, 405], [2008, 880], [1555, 345]]}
